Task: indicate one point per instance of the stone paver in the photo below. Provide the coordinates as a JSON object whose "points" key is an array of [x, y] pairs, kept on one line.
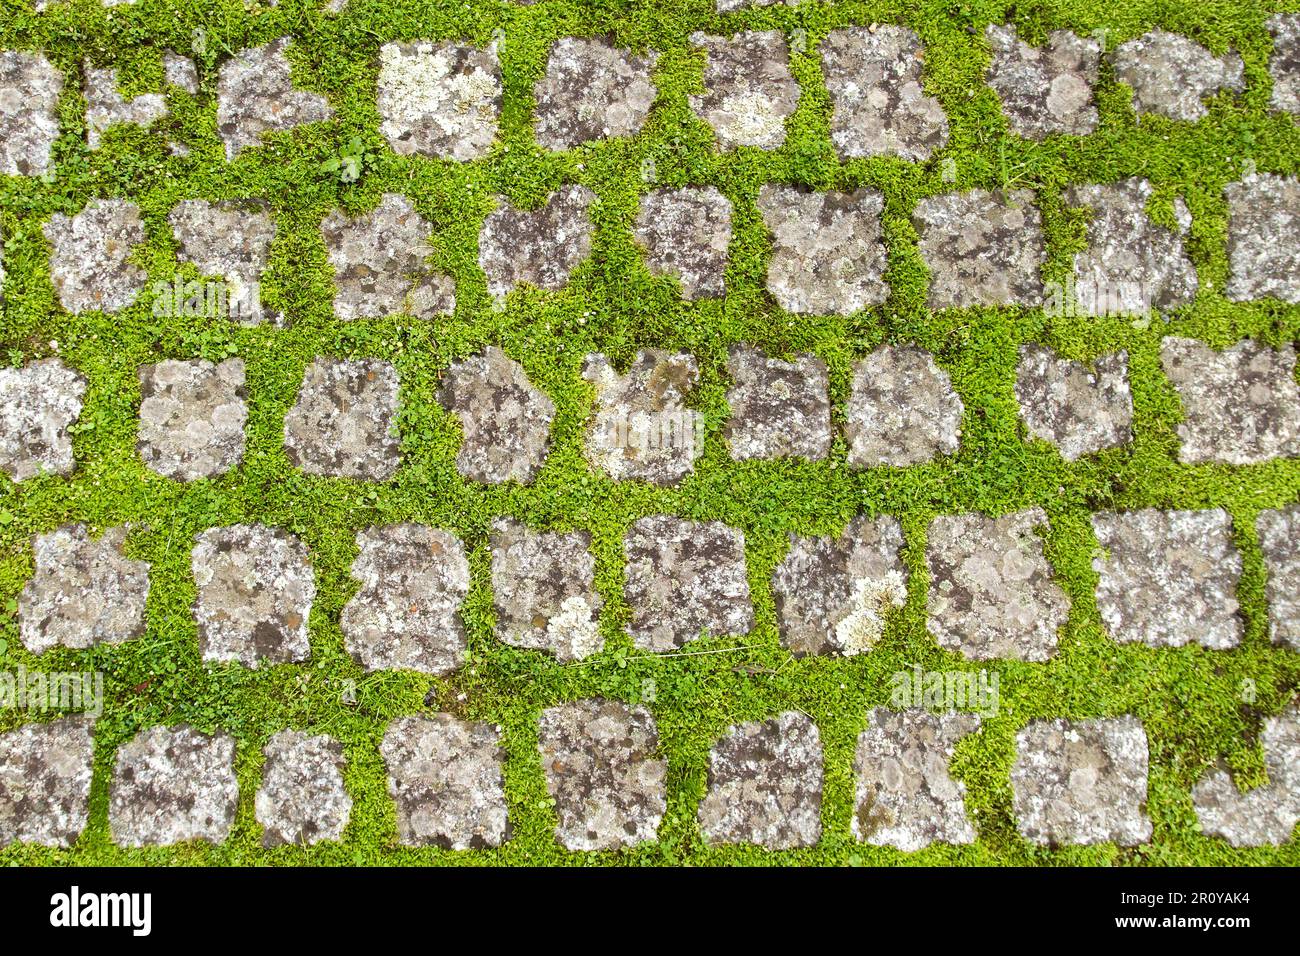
{"points": [[180, 72], [1082, 782], [902, 410], [1170, 75], [439, 99], [106, 107], [592, 90], [600, 758], [749, 91], [88, 259], [1045, 91], [29, 123], [38, 403], [540, 247], [192, 417], [1284, 64], [1168, 578], [256, 95], [1080, 408], [779, 409], [992, 593], [344, 422], [405, 616], [1264, 239], [1279, 533], [686, 233], [45, 772], [230, 241], [302, 799], [1266, 815]]}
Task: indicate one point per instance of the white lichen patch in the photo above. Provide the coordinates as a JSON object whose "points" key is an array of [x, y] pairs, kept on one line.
{"points": [[90, 256], [439, 99], [863, 623], [29, 121], [38, 404]]}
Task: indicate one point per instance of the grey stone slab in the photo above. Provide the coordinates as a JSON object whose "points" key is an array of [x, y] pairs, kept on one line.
{"points": [[256, 96], [1279, 535], [192, 417], [30, 87], [45, 772], [344, 422], [686, 233], [1264, 238], [38, 404], [230, 241], [1080, 408], [539, 247], [106, 107], [902, 410], [1171, 75], [749, 91], [592, 90], [1045, 90], [302, 800], [439, 99], [89, 262], [779, 409], [1284, 64], [1266, 815]]}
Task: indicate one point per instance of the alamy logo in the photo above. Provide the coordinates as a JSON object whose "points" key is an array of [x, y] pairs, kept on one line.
{"points": [[75, 908]]}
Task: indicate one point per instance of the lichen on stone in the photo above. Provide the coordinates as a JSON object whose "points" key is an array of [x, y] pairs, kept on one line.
{"points": [[539, 247], [90, 256], [343, 424], [439, 99], [902, 409], [749, 92], [192, 417], [686, 233], [1047, 90], [38, 404], [256, 96], [592, 90]]}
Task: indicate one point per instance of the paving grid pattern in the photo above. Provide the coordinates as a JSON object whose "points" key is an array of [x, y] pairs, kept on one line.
{"points": [[608, 300]]}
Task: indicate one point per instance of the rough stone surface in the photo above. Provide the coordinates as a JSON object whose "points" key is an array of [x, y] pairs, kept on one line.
{"points": [[230, 241], [1168, 578], [1081, 781], [609, 787], [992, 594], [1264, 238], [905, 796], [505, 418], [302, 800], [543, 590], [180, 72], [539, 247], [686, 233], [778, 409], [255, 591], [592, 90], [38, 403], [445, 776], [1045, 90], [85, 591], [873, 75], [1279, 533], [88, 261], [685, 577], [171, 785], [439, 99], [1079, 408], [344, 423], [1266, 815], [981, 248], [192, 417], [45, 772], [902, 410], [255, 96], [29, 123], [749, 92], [106, 107], [1170, 75], [1284, 64], [1240, 406], [827, 252], [405, 616]]}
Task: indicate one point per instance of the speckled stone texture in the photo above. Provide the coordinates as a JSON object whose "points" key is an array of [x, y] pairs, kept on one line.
{"points": [[84, 591], [230, 241], [992, 594], [405, 615], [1284, 64], [1045, 91], [981, 248], [602, 768], [255, 96], [88, 258], [1080, 408], [445, 776], [505, 418], [1279, 539], [902, 410], [765, 784], [344, 422], [180, 72], [1264, 238], [641, 428], [1170, 75], [686, 233], [749, 92], [685, 578], [592, 90], [29, 123], [106, 107], [439, 99], [540, 247], [833, 593], [45, 772], [192, 417], [1131, 265], [543, 590], [827, 253], [1168, 578], [779, 409], [255, 591], [302, 800], [1266, 815], [38, 403], [172, 785], [1082, 782], [1241, 406], [905, 796], [879, 105]]}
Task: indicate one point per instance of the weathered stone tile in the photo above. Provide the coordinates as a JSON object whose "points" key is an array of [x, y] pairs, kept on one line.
{"points": [[540, 247], [88, 261], [405, 616], [255, 592], [642, 428], [439, 99], [905, 796], [29, 123], [171, 785], [543, 591], [1047, 90], [686, 233], [1170, 75], [749, 91], [106, 107], [380, 263], [981, 248], [1168, 578], [344, 423], [445, 776], [602, 769], [302, 799], [992, 594], [778, 409], [192, 417], [902, 411], [255, 96], [1284, 64], [1240, 406], [1266, 815], [1079, 408], [505, 418], [230, 241], [592, 90], [1279, 533], [765, 784], [684, 577], [1264, 238], [1082, 781], [180, 71], [873, 75], [827, 253], [85, 591], [38, 403], [45, 772]]}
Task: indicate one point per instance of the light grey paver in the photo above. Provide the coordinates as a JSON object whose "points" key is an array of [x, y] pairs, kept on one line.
{"points": [[1264, 238], [686, 233], [1284, 64], [779, 409], [902, 411], [749, 92], [344, 422], [439, 99], [106, 107], [29, 122], [256, 96], [88, 258], [192, 417], [230, 241], [1045, 91], [1266, 815], [302, 800], [45, 772], [1279, 539], [38, 403], [592, 90], [1081, 409], [1171, 75], [539, 247]]}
